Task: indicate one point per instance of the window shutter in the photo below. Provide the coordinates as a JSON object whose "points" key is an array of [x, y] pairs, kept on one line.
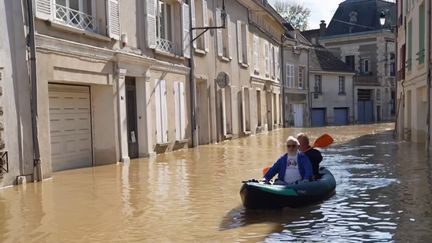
{"points": [[277, 63], [182, 111], [228, 28], [192, 5], [186, 29], [205, 21], [256, 53], [114, 19], [44, 9], [224, 113], [239, 42], [247, 43], [243, 109], [158, 102], [151, 24], [177, 110], [164, 112], [219, 33], [287, 68], [266, 59]]}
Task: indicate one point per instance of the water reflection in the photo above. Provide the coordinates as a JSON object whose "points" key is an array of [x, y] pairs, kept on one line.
{"points": [[383, 194]]}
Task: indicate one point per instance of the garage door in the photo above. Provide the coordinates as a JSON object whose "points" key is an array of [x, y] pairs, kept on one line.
{"points": [[318, 117], [341, 116], [70, 126]]}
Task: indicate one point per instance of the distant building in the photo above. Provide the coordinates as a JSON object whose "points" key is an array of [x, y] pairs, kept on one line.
{"points": [[356, 36], [331, 83]]}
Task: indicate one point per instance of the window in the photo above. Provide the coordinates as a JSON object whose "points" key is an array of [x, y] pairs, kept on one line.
{"points": [[341, 85], [272, 61], [76, 13], [364, 66], [223, 36], [350, 61], [318, 84], [421, 52], [163, 21], [225, 39], [409, 60], [392, 64], [289, 76], [301, 78]]}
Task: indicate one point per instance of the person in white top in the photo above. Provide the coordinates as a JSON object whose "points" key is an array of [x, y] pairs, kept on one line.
{"points": [[292, 166]]}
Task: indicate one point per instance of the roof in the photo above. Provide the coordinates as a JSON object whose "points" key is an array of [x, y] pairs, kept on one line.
{"points": [[322, 59], [267, 6], [356, 16], [309, 34]]}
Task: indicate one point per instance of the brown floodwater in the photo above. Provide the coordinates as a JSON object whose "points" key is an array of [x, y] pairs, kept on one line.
{"points": [[383, 194]]}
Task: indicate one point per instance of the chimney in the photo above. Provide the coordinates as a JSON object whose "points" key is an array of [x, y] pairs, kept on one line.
{"points": [[323, 27]]}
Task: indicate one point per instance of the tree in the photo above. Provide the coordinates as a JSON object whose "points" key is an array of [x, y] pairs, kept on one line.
{"points": [[295, 14]]}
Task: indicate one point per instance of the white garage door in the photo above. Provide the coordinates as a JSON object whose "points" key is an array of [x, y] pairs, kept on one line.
{"points": [[70, 126]]}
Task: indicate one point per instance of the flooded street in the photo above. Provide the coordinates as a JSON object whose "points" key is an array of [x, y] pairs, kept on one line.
{"points": [[383, 193]]}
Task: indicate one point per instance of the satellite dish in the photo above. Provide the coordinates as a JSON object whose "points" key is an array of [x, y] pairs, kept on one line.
{"points": [[222, 80]]}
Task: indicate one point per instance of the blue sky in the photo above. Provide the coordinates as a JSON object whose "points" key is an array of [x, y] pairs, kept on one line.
{"points": [[320, 10]]}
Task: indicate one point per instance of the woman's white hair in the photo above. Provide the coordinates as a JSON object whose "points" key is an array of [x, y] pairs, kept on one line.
{"points": [[292, 139]]}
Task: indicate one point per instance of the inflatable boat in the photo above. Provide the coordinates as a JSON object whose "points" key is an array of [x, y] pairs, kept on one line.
{"points": [[257, 195]]}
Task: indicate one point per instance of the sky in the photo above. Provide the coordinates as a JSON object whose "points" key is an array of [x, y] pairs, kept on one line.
{"points": [[320, 10]]}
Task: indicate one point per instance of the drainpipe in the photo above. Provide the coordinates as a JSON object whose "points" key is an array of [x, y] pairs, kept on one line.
{"points": [[37, 169], [282, 73], [308, 88], [428, 119], [192, 82]]}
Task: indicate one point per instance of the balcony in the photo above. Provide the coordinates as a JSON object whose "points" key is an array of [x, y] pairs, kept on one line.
{"points": [[167, 46], [74, 18]]}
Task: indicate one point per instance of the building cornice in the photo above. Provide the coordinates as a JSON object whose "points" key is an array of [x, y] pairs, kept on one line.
{"points": [[66, 47], [357, 36], [330, 72]]}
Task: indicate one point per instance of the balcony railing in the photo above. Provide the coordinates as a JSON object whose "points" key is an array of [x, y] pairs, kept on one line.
{"points": [[74, 18], [167, 46]]}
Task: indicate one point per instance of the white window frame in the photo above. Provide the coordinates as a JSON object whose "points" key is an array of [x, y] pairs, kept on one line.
{"points": [[267, 58], [365, 68], [290, 76], [80, 9], [301, 77], [318, 84]]}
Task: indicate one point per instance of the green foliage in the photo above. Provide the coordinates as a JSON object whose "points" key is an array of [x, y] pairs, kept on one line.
{"points": [[295, 14]]}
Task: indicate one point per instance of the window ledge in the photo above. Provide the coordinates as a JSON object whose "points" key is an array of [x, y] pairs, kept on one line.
{"points": [[162, 144], [79, 31], [244, 65], [342, 93], [183, 141], [167, 54], [200, 51], [228, 136], [224, 59], [247, 133], [256, 72]]}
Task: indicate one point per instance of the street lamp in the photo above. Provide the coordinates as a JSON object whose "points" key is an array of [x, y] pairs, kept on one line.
{"points": [[382, 18]]}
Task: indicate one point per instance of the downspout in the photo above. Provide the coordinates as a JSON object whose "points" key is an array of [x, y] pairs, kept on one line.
{"points": [[428, 119], [192, 82], [282, 73], [37, 169], [308, 88]]}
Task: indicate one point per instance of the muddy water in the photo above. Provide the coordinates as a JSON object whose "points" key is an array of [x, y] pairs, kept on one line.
{"points": [[383, 194]]}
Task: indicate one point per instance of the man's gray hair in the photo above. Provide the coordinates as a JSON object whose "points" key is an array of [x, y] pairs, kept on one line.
{"points": [[292, 139]]}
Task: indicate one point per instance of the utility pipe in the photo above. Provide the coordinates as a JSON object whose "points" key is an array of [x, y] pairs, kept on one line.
{"points": [[37, 169]]}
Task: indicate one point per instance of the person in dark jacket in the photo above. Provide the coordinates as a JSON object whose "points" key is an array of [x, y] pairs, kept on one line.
{"points": [[292, 166], [314, 155]]}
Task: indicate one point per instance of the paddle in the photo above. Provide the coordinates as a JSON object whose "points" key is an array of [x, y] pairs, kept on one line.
{"points": [[321, 142]]}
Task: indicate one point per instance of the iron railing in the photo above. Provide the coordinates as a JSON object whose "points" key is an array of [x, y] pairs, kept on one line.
{"points": [[75, 18], [167, 46]]}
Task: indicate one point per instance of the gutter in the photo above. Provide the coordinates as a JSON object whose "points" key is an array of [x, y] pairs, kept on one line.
{"points": [[37, 168]]}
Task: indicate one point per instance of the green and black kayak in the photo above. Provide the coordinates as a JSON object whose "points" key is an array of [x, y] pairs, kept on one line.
{"points": [[257, 195]]}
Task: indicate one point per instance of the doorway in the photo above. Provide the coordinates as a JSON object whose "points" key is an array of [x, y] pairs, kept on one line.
{"points": [[131, 117]]}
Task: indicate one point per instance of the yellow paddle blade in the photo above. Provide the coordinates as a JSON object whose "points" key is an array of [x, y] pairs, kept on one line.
{"points": [[265, 170], [323, 141]]}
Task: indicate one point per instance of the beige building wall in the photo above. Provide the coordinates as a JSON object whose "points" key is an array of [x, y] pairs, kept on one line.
{"points": [[16, 147]]}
